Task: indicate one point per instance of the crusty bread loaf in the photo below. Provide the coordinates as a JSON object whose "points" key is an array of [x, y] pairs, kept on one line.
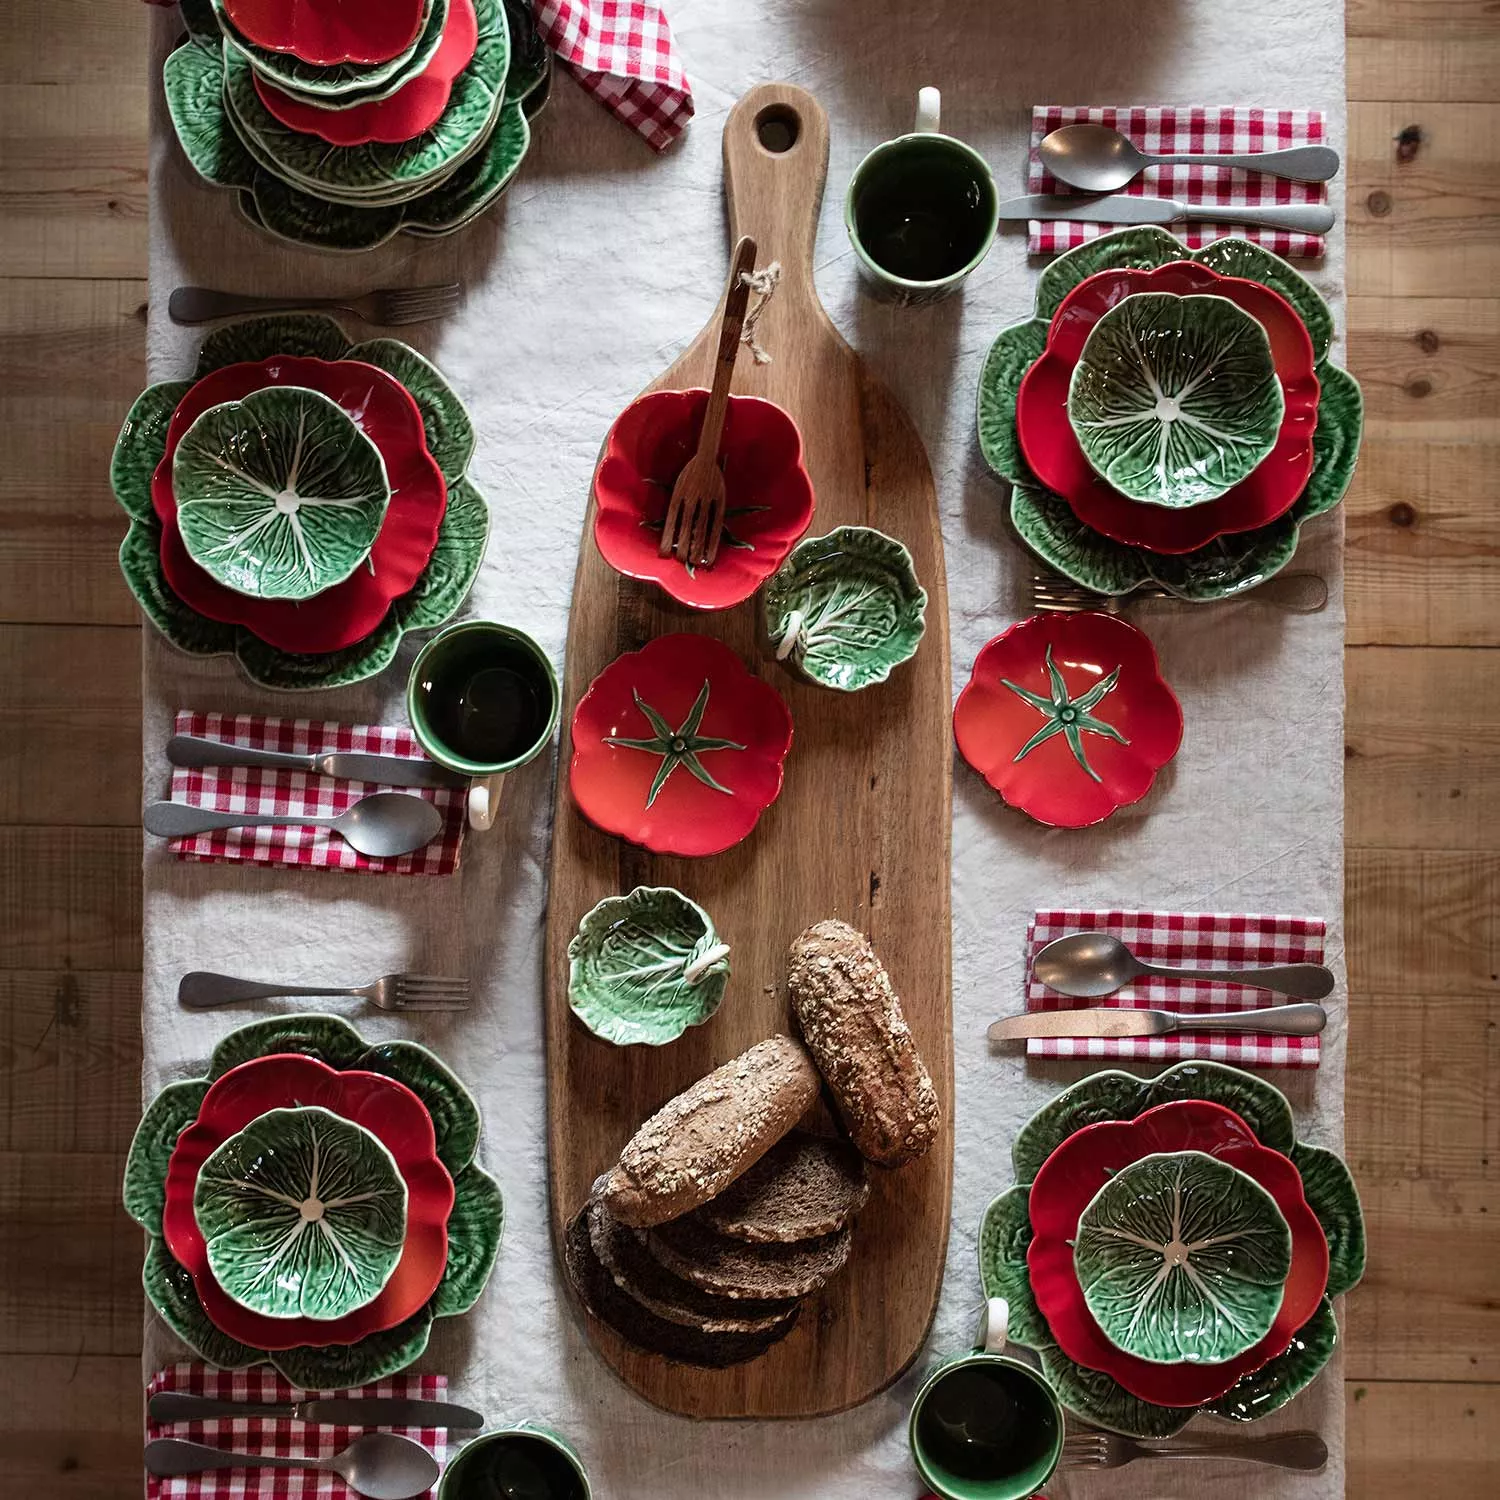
{"points": [[803, 1187], [852, 1023], [733, 1268], [698, 1143]]}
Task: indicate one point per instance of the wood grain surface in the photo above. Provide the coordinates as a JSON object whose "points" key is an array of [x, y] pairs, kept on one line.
{"points": [[869, 773], [1423, 571]]}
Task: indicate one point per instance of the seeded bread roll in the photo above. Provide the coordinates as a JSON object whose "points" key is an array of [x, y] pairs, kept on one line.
{"points": [[803, 1187], [695, 1145], [852, 1023]]}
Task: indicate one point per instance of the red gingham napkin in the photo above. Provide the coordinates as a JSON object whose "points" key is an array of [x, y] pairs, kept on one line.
{"points": [[274, 1435], [1166, 130], [621, 52], [246, 789], [1189, 941]]}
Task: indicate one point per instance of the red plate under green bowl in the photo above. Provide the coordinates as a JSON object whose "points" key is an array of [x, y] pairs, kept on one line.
{"points": [[1089, 1158], [389, 1111], [413, 108], [1056, 458], [679, 748], [1068, 718], [768, 495], [328, 32], [350, 610]]}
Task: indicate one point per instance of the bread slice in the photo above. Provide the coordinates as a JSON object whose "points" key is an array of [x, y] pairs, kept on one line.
{"points": [[695, 1145], [639, 1275], [639, 1326], [803, 1187], [732, 1268], [853, 1025]]}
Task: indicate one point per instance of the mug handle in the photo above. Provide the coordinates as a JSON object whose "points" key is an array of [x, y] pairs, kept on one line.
{"points": [[484, 801], [929, 112], [994, 1325]]}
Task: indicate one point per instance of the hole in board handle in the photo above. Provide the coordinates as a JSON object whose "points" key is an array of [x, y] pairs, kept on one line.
{"points": [[777, 127]]}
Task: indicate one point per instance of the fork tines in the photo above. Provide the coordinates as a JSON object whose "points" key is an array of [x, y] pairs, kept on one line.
{"points": [[431, 992], [1051, 593], [415, 304]]}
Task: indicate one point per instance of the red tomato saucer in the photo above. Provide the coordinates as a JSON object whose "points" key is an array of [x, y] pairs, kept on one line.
{"points": [[329, 32]]}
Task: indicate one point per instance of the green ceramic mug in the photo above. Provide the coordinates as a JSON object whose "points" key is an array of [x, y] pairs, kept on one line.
{"points": [[921, 210], [524, 1462], [985, 1426], [482, 699]]}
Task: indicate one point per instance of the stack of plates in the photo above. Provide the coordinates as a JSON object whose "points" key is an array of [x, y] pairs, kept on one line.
{"points": [[1171, 1248], [1169, 418], [344, 125], [313, 1203], [301, 502]]}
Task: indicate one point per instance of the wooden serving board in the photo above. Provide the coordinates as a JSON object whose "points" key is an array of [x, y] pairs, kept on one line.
{"points": [[861, 831]]}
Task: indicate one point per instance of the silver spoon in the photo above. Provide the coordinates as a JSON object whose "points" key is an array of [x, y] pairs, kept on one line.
{"points": [[379, 1465], [382, 825], [1088, 965], [1099, 159]]}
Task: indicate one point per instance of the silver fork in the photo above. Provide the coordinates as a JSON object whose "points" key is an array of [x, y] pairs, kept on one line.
{"points": [[390, 306], [1108, 1450], [405, 992], [1298, 593]]}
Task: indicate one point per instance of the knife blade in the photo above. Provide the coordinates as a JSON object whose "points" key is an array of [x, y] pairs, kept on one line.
{"points": [[1305, 1019], [342, 1411], [1124, 208], [347, 765]]}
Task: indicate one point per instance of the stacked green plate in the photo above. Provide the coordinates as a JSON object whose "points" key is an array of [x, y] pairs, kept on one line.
{"points": [[308, 146]]}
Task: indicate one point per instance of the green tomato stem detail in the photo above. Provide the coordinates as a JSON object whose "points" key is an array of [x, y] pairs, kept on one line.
{"points": [[1068, 716], [677, 747]]}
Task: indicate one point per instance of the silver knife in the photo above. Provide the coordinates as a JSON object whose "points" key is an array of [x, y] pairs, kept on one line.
{"points": [[346, 1411], [1304, 1019], [1122, 208], [347, 765]]}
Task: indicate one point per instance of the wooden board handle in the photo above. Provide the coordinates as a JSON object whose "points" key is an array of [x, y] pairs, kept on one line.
{"points": [[775, 166]]}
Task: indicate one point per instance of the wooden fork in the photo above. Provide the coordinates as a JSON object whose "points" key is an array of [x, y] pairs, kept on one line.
{"points": [[695, 513]]}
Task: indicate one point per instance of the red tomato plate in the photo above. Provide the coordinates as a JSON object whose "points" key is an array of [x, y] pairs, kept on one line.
{"points": [[328, 32]]}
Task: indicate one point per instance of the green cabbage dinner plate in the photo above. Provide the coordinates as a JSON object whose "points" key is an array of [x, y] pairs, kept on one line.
{"points": [[1005, 1235], [1230, 564], [474, 1226]]}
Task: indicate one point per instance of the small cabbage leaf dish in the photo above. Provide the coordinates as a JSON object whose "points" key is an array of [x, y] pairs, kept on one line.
{"points": [[846, 609], [397, 1091], [644, 967], [1228, 562], [1240, 1120]]}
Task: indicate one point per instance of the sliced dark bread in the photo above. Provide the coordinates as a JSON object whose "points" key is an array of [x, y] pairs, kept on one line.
{"points": [[732, 1268], [803, 1187], [640, 1275], [640, 1326]]}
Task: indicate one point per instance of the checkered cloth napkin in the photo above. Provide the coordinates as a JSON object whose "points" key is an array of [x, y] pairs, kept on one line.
{"points": [[1192, 941], [621, 52], [298, 793], [1165, 130], [277, 1435]]}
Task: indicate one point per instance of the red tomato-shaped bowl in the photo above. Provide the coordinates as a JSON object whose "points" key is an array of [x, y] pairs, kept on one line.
{"points": [[1068, 718], [329, 32], [678, 747], [768, 495]]}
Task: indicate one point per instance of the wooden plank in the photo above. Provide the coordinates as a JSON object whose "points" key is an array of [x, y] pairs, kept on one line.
{"points": [[1422, 560], [1422, 749], [1446, 51], [1424, 219], [70, 898], [71, 1427], [72, 1257], [1406, 1438], [73, 705], [75, 41]]}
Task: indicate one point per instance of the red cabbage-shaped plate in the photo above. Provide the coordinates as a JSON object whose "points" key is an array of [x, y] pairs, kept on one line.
{"points": [[679, 748], [350, 610], [329, 32], [768, 495], [389, 1111], [1067, 717], [1056, 457], [1084, 1163], [404, 115]]}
